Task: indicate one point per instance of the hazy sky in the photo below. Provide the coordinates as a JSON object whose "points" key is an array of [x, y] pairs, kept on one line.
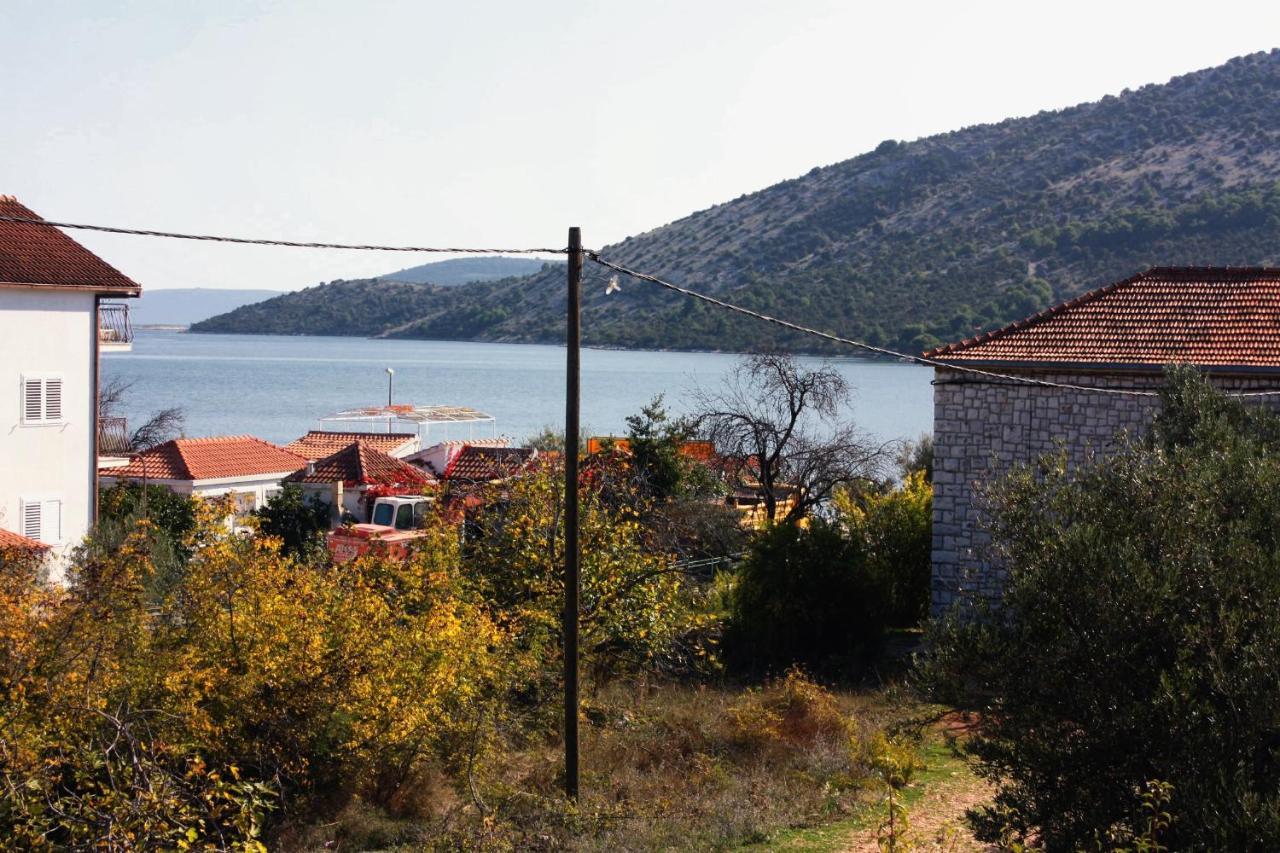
{"points": [[502, 123]]}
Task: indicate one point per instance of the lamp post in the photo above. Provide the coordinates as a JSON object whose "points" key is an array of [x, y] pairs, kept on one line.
{"points": [[390, 376]]}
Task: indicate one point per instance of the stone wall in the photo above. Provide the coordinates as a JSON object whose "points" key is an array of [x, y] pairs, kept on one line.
{"points": [[983, 426]]}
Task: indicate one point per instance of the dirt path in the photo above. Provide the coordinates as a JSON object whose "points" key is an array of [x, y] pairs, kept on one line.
{"points": [[936, 819]]}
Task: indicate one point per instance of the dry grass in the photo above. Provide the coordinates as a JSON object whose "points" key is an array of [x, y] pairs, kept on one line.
{"points": [[664, 767]]}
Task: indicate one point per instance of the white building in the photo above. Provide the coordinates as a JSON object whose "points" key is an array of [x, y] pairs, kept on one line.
{"points": [[53, 325], [248, 468]]}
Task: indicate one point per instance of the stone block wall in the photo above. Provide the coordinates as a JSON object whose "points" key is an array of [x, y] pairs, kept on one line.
{"points": [[983, 426]]}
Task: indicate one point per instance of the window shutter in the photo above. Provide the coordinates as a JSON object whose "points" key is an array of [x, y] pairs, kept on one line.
{"points": [[31, 517], [53, 399], [33, 400], [51, 522]]}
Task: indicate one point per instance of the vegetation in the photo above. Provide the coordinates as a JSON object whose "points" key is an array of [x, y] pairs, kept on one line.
{"points": [[195, 687], [299, 523], [904, 246], [777, 427], [1136, 647]]}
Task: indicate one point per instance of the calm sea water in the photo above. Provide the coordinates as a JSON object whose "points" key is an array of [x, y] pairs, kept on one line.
{"points": [[278, 387]]}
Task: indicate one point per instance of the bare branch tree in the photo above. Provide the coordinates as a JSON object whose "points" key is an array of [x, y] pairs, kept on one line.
{"points": [[778, 425], [159, 428]]}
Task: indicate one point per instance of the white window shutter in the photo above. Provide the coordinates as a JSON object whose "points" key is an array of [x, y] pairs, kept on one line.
{"points": [[31, 519], [51, 522], [53, 399], [33, 400]]}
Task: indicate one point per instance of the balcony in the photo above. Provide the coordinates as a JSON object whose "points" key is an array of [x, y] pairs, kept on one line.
{"points": [[115, 334], [113, 437]]}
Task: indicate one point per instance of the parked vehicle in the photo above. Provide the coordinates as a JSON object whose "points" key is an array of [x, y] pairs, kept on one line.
{"points": [[397, 523]]}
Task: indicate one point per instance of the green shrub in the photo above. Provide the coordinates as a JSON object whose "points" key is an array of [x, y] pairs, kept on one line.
{"points": [[1138, 638], [803, 596], [896, 529], [299, 523]]}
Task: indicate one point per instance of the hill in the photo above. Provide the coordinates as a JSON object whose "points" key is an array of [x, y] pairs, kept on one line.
{"points": [[182, 306], [457, 271], [921, 241]]}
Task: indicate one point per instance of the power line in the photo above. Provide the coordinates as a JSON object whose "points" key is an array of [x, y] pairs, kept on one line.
{"points": [[292, 244], [872, 348]]}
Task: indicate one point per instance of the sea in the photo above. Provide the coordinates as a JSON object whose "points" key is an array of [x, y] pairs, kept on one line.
{"points": [[278, 387]]}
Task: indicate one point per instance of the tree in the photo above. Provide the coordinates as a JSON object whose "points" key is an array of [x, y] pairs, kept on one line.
{"points": [[157, 429], [1138, 638], [803, 596], [895, 526], [778, 424], [299, 523]]}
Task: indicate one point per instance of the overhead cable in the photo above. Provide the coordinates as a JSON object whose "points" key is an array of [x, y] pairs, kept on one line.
{"points": [[292, 244], [884, 351]]}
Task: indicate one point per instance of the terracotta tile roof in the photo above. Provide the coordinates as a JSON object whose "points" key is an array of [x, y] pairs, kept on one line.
{"points": [[317, 444], [362, 464], [482, 464], [42, 255], [208, 459], [10, 540], [1224, 317]]}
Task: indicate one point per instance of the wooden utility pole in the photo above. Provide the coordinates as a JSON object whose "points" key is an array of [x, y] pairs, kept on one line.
{"points": [[573, 390]]}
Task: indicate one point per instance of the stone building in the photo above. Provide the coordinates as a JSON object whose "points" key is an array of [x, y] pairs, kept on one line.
{"points": [[1225, 321]]}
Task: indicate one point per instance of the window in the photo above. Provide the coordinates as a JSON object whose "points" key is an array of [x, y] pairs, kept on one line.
{"points": [[404, 517], [42, 520], [42, 399]]}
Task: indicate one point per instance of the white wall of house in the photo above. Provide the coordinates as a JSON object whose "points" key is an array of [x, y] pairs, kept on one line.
{"points": [[47, 463], [252, 491]]}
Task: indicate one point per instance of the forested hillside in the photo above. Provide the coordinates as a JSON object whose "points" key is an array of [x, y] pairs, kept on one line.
{"points": [[912, 243]]}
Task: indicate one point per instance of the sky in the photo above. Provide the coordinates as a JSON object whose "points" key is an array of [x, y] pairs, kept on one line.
{"points": [[502, 123]]}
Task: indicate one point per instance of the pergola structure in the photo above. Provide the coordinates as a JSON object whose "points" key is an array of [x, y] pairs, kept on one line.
{"points": [[406, 418]]}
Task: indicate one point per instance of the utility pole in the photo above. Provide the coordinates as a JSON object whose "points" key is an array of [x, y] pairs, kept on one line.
{"points": [[573, 390]]}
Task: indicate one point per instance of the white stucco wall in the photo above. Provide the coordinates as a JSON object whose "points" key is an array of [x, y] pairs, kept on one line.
{"points": [[48, 332]]}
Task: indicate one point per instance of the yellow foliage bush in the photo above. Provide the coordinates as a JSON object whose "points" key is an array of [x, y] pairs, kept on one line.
{"points": [[179, 721], [792, 711]]}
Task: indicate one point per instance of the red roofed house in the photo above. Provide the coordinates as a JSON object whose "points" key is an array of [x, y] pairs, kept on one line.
{"points": [[346, 479], [1225, 321], [240, 465], [318, 443], [488, 464], [53, 326]]}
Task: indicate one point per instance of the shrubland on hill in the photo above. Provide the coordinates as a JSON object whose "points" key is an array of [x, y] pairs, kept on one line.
{"points": [[905, 245]]}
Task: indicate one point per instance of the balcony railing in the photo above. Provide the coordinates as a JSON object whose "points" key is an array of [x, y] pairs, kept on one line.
{"points": [[114, 330], [113, 437]]}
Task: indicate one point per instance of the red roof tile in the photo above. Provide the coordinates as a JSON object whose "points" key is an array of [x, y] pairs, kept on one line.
{"points": [[10, 540], [42, 255], [362, 464], [482, 464], [317, 444], [1225, 317], [208, 459]]}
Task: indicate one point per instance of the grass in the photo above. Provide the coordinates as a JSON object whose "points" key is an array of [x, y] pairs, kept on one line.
{"points": [[667, 767], [939, 764]]}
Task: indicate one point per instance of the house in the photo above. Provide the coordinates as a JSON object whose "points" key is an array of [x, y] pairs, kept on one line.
{"points": [[349, 478], [1225, 321], [54, 326], [436, 458], [476, 464], [248, 468], [318, 443]]}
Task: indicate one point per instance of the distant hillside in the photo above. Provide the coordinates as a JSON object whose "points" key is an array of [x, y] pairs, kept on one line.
{"points": [[182, 306], [914, 242], [466, 270], [363, 307]]}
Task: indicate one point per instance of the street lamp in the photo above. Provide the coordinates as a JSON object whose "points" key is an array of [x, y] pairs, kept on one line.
{"points": [[390, 375]]}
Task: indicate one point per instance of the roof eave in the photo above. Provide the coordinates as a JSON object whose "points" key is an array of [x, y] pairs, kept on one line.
{"points": [[126, 292], [1048, 366]]}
